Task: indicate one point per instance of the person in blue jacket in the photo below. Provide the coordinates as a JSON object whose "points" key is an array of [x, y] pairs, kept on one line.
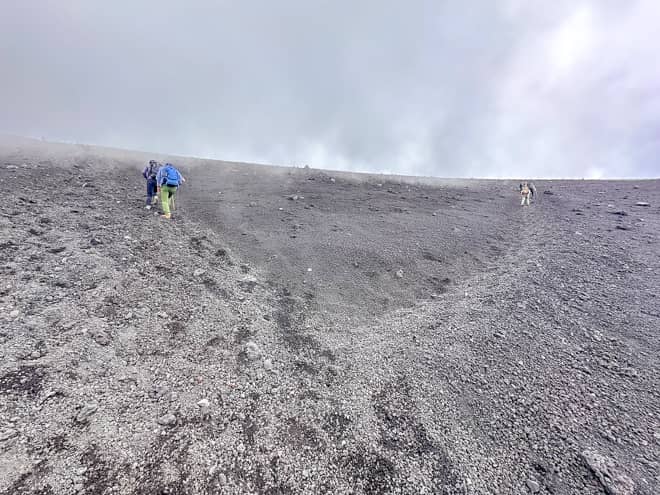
{"points": [[168, 179]]}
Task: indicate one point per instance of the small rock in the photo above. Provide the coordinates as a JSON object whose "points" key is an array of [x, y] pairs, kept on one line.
{"points": [[641, 203], [160, 392], [222, 479], [14, 313], [333, 370], [101, 337], [86, 412], [52, 393], [95, 242], [399, 273], [533, 486], [606, 471], [7, 434], [199, 272], [167, 420], [205, 408], [293, 197], [252, 351], [549, 193], [35, 355], [128, 315], [252, 204], [268, 364], [608, 434]]}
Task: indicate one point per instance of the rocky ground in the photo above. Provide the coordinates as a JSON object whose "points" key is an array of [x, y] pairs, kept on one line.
{"points": [[300, 331]]}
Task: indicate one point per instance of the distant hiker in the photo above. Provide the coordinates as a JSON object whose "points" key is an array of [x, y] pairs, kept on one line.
{"points": [[525, 193], [149, 173], [168, 179], [532, 190]]}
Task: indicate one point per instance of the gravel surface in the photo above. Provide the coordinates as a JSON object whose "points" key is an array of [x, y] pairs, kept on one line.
{"points": [[304, 331]]}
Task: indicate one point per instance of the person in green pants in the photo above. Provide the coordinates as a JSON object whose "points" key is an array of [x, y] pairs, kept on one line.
{"points": [[169, 179]]}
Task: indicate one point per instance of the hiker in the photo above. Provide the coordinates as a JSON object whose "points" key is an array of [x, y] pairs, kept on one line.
{"points": [[525, 193], [168, 180], [149, 173], [532, 190]]}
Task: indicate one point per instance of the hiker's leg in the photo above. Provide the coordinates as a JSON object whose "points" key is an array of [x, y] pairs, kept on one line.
{"points": [[165, 199], [527, 200], [155, 198], [522, 200], [172, 196], [151, 191]]}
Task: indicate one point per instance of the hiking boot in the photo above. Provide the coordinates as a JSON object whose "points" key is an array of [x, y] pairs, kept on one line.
{"points": [[148, 207], [167, 215]]}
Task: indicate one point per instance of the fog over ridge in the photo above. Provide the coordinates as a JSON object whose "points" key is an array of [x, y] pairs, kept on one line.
{"points": [[478, 89]]}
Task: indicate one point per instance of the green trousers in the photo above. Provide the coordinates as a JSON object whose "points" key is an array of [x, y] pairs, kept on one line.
{"points": [[167, 194]]}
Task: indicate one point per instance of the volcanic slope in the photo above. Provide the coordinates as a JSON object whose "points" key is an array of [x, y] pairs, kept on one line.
{"points": [[302, 331]]}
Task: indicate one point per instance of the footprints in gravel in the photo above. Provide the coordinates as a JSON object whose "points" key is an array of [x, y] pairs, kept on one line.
{"points": [[372, 472], [290, 315], [403, 434], [26, 380], [310, 356]]}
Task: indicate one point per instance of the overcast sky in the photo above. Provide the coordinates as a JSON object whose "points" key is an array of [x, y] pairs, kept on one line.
{"points": [[498, 88]]}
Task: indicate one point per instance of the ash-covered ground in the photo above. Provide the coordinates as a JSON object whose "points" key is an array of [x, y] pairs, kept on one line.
{"points": [[304, 331]]}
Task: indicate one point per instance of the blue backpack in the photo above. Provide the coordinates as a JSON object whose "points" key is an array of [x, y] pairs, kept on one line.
{"points": [[171, 176]]}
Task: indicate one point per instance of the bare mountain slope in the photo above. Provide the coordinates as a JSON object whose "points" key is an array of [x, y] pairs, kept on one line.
{"points": [[300, 331]]}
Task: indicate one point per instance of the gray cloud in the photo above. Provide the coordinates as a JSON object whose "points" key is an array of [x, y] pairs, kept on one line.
{"points": [[451, 88]]}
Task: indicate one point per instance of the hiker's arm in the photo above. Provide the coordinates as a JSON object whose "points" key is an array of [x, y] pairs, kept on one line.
{"points": [[159, 176]]}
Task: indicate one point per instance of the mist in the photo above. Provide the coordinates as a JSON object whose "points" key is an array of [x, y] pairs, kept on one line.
{"points": [[449, 89]]}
